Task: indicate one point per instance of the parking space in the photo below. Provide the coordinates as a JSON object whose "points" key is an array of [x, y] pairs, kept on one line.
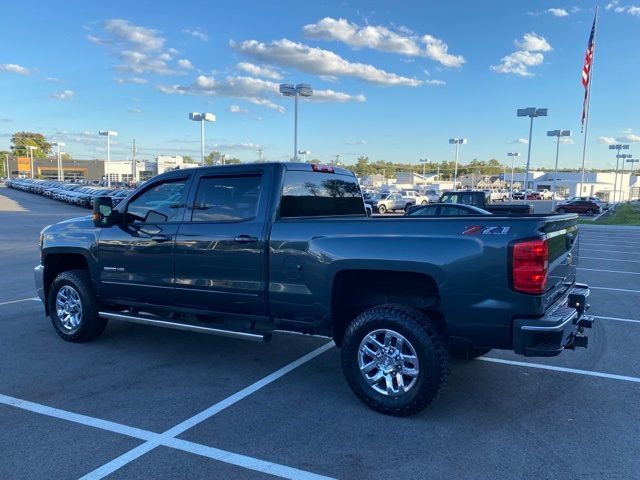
{"points": [[231, 409]]}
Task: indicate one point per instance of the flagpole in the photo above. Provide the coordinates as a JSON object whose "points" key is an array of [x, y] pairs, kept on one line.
{"points": [[588, 108]]}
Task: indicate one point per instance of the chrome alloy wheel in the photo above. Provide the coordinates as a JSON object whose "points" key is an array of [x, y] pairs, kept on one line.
{"points": [[69, 308], [388, 362]]}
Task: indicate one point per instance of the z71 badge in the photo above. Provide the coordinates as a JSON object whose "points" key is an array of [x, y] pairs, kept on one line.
{"points": [[486, 230]]}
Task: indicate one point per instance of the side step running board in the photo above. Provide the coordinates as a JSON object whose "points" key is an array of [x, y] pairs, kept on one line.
{"points": [[144, 320]]}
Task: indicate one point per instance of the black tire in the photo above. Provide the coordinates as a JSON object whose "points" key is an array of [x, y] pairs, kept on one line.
{"points": [[90, 325], [423, 336], [589, 213], [407, 207], [562, 210], [424, 202], [467, 353], [382, 209]]}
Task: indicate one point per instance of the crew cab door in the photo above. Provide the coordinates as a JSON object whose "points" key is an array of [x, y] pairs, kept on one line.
{"points": [[220, 250], [135, 257]]}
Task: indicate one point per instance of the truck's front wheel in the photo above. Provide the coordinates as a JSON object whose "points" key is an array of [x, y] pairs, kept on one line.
{"points": [[394, 359], [73, 307]]}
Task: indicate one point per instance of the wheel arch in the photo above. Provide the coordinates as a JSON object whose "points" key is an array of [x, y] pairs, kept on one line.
{"points": [[58, 261]]}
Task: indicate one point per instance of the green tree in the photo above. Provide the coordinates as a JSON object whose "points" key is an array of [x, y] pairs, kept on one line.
{"points": [[3, 163], [66, 156], [20, 140], [188, 159]]}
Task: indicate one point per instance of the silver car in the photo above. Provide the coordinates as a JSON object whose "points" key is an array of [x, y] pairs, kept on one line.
{"points": [[392, 202]]}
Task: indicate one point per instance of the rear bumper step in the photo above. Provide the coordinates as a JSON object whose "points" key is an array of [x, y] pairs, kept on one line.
{"points": [[563, 327], [158, 322]]}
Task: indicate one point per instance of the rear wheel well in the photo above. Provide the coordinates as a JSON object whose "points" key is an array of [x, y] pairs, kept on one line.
{"points": [[56, 263], [355, 291]]}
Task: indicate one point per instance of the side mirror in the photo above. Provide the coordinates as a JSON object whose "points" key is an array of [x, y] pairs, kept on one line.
{"points": [[103, 214]]}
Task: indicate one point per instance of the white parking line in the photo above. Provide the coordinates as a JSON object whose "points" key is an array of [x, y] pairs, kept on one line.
{"points": [[614, 289], [618, 244], [137, 452], [165, 440], [21, 300], [607, 251], [607, 271], [610, 259], [617, 319], [588, 373]]}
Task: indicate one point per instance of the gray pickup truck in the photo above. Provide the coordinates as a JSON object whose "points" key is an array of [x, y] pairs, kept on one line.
{"points": [[245, 250], [482, 199]]}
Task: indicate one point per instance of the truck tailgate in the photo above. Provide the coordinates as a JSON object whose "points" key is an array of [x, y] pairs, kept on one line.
{"points": [[563, 243]]}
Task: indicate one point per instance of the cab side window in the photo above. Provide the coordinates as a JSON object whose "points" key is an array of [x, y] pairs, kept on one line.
{"points": [[162, 203], [230, 199]]}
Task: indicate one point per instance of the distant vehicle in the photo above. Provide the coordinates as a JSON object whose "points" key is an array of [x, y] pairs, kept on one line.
{"points": [[587, 207], [531, 195], [517, 195], [481, 200], [445, 210], [389, 202], [545, 194], [496, 195], [432, 195], [604, 205], [415, 196]]}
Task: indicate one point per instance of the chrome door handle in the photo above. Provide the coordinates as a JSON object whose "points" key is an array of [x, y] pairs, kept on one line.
{"points": [[161, 238], [245, 239]]}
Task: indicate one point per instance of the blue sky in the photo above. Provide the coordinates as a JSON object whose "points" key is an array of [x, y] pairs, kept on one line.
{"points": [[393, 80]]}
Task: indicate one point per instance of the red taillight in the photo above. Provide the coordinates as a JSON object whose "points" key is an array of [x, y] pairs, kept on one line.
{"points": [[530, 264], [322, 168]]}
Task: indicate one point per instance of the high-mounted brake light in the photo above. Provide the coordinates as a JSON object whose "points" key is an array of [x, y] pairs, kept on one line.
{"points": [[322, 168], [530, 265]]}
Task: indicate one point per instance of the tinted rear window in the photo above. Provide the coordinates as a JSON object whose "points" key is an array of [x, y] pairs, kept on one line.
{"points": [[315, 194]]}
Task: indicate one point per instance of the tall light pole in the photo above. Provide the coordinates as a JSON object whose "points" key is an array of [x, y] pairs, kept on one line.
{"points": [[531, 112], [631, 161], [424, 162], [457, 142], [300, 90], [260, 155], [108, 134], [31, 148], [557, 134], [304, 154], [58, 145], [623, 157], [513, 156], [616, 147], [202, 117], [6, 158]]}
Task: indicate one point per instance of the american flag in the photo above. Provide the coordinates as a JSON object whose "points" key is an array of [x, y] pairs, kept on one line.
{"points": [[586, 70]]}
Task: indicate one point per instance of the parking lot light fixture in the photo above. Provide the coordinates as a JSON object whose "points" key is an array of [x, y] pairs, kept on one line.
{"points": [[531, 112], [31, 148], [557, 134], [299, 90], [632, 161], [304, 154], [424, 162], [108, 134], [617, 147], [513, 156], [202, 117], [58, 145], [457, 142]]}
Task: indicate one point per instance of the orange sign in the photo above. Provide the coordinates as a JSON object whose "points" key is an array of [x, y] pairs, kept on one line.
{"points": [[24, 165]]}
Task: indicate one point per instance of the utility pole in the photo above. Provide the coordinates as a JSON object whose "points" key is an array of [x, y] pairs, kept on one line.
{"points": [[337, 158], [133, 161], [260, 155]]}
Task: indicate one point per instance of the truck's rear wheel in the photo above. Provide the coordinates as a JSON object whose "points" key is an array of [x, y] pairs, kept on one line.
{"points": [[467, 353], [73, 307], [562, 210], [394, 359], [382, 209]]}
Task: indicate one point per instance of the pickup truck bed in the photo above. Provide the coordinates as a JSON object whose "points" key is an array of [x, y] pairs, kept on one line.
{"points": [[245, 250]]}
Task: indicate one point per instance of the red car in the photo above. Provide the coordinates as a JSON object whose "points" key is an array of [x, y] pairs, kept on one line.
{"points": [[534, 196], [579, 206]]}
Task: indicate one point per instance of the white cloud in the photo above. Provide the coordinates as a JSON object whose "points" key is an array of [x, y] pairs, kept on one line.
{"points": [[134, 110], [532, 42], [53, 80], [237, 109], [529, 54], [431, 81], [357, 142], [139, 49], [258, 71], [633, 10], [137, 80], [14, 68], [64, 94], [186, 64], [382, 39], [606, 140], [254, 90], [566, 140], [629, 138], [617, 8], [557, 12], [197, 32], [318, 61], [611, 5], [519, 141], [437, 50]]}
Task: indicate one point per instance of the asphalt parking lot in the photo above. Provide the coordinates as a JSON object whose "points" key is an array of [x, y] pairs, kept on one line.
{"points": [[143, 402]]}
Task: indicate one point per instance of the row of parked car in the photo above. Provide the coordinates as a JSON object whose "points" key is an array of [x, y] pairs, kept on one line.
{"points": [[78, 194]]}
